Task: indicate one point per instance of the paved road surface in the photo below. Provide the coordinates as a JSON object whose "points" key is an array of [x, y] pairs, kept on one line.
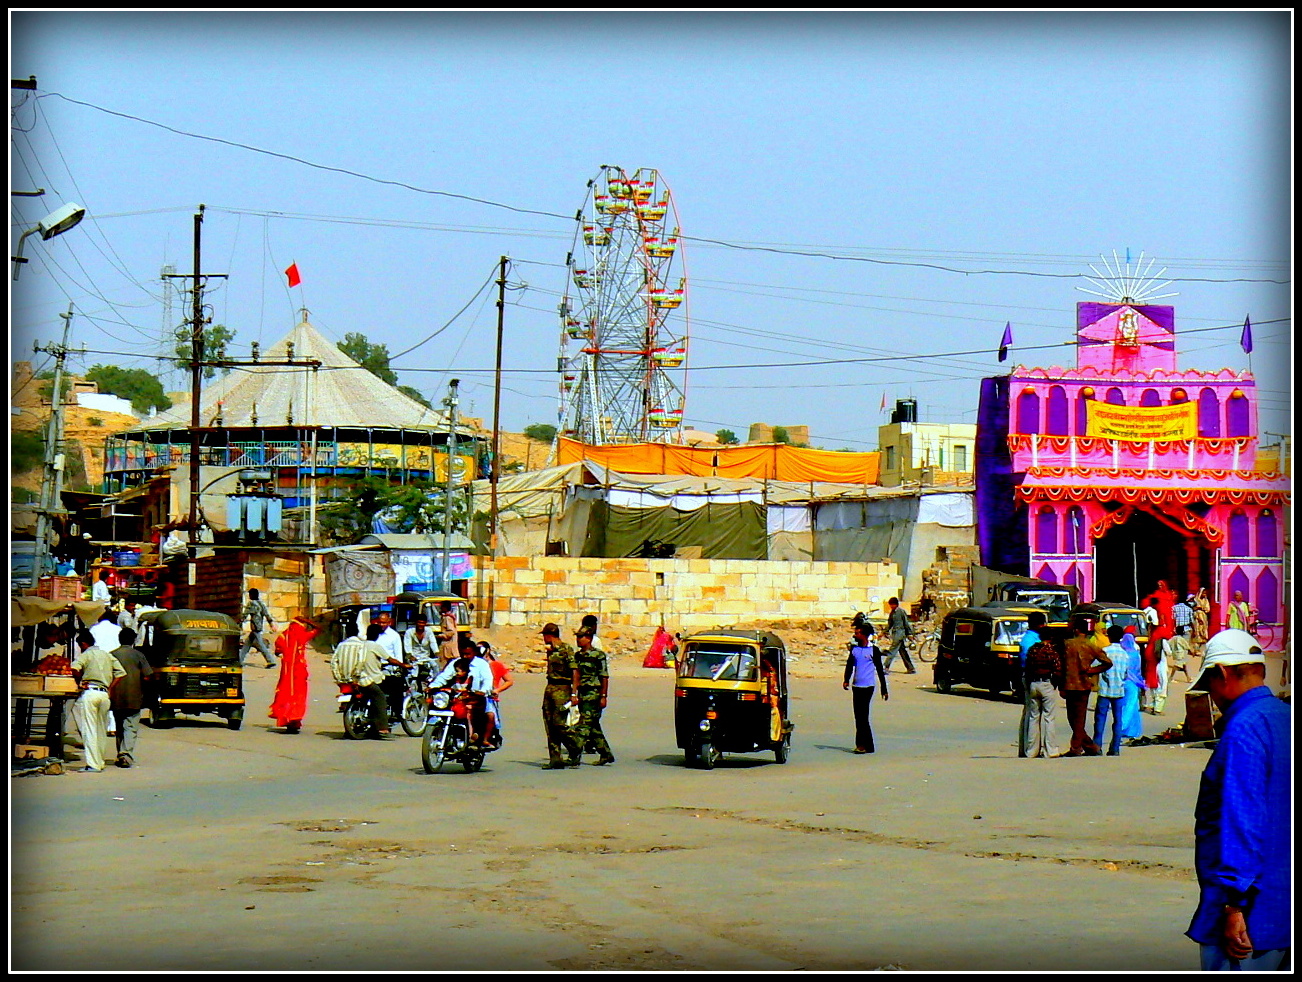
{"points": [[259, 851]]}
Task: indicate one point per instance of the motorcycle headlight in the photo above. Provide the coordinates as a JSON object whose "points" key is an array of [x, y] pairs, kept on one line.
{"points": [[705, 725], [441, 700]]}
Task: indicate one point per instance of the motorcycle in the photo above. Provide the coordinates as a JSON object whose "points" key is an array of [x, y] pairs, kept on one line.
{"points": [[355, 704], [447, 733], [415, 699]]}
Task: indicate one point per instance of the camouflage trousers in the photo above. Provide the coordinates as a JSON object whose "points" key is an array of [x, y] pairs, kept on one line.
{"points": [[561, 745], [588, 736]]}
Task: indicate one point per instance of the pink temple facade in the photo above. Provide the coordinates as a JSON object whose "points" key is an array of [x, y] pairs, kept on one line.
{"points": [[1114, 516]]}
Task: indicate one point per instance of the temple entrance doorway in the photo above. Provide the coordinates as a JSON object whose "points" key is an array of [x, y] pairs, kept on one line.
{"points": [[1131, 558]]}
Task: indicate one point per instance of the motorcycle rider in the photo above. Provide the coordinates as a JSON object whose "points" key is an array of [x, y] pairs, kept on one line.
{"points": [[480, 684], [359, 662], [394, 662]]}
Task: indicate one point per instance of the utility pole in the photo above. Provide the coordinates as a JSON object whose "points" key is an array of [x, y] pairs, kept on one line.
{"points": [[196, 381], [451, 403], [51, 502], [496, 473]]}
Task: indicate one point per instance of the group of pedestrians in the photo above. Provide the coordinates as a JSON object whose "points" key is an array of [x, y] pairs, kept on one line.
{"points": [[574, 698], [111, 695]]}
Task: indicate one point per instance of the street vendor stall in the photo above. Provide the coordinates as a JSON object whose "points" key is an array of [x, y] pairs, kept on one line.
{"points": [[41, 682]]}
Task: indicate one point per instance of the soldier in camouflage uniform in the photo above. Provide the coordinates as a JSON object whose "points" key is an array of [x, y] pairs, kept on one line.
{"points": [[594, 679], [561, 691]]}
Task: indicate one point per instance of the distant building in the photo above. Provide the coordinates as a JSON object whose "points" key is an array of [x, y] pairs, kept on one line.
{"points": [[1126, 470], [924, 453]]}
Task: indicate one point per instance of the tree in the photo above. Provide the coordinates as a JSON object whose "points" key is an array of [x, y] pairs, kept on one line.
{"points": [[26, 451], [540, 432], [726, 437], [780, 435], [46, 388], [141, 388], [373, 357], [413, 393], [414, 507], [215, 340]]}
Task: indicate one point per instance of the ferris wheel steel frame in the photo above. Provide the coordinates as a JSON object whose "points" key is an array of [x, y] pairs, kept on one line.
{"points": [[624, 319]]}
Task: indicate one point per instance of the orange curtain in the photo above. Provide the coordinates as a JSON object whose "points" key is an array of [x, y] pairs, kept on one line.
{"points": [[769, 462]]}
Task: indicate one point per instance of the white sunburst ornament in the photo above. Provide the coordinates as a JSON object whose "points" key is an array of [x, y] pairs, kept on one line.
{"points": [[1122, 282]]}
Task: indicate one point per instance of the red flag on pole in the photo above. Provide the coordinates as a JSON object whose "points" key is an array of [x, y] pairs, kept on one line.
{"points": [[292, 274], [883, 409]]}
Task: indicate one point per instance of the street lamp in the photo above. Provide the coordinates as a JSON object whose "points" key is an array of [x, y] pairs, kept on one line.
{"points": [[55, 223]]}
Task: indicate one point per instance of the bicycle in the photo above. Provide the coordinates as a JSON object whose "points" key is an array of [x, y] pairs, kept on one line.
{"points": [[925, 645]]}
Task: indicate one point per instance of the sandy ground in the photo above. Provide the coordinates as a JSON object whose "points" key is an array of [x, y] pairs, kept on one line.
{"points": [[259, 851]]}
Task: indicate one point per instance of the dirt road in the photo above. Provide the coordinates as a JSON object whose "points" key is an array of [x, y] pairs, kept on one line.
{"points": [[259, 851]]}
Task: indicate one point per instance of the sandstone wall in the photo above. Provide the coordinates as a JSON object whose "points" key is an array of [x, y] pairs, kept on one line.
{"points": [[680, 593]]}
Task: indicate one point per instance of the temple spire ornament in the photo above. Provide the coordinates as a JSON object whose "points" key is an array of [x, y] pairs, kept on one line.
{"points": [[1127, 283]]}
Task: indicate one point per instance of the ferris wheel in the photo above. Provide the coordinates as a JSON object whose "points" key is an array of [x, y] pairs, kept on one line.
{"points": [[624, 332]]}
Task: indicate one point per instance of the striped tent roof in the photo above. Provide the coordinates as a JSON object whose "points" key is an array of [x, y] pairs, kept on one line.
{"points": [[341, 393]]}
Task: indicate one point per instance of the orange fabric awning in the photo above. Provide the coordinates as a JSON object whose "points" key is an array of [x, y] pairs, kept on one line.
{"points": [[770, 461]]}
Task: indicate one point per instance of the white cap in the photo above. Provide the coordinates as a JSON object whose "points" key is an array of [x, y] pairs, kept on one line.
{"points": [[1230, 648]]}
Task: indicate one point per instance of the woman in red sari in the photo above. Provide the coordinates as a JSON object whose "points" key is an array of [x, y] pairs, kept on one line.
{"points": [[290, 703], [1163, 600]]}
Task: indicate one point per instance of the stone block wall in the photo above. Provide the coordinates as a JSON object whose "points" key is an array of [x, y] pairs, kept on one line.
{"points": [[680, 593], [280, 580]]}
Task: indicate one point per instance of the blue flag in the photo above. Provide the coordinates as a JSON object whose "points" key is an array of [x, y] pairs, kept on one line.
{"points": [[1006, 342], [1245, 339]]}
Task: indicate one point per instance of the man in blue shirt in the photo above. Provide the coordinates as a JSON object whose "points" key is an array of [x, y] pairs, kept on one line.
{"points": [[1032, 706], [1242, 845]]}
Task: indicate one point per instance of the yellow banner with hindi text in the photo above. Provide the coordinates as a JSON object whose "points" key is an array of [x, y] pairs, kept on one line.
{"points": [[1141, 424]]}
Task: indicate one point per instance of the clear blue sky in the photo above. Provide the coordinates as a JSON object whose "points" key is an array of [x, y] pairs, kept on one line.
{"points": [[896, 143]]}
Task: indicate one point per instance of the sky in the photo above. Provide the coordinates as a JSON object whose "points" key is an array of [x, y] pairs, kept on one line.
{"points": [[855, 190]]}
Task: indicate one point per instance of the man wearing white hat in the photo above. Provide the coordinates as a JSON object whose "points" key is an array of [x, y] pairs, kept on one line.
{"points": [[1242, 840]]}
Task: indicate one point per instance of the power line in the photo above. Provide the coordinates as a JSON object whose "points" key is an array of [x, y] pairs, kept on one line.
{"points": [[749, 247]]}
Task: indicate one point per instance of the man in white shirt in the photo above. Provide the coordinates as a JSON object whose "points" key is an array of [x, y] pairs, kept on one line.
{"points": [[394, 662], [105, 631], [481, 683], [95, 670]]}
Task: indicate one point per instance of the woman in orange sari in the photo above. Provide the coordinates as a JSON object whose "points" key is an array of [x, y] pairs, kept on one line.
{"points": [[290, 703]]}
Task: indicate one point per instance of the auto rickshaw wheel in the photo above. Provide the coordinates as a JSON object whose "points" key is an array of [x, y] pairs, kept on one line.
{"points": [[161, 719], [781, 751], [709, 756], [943, 682], [234, 722]]}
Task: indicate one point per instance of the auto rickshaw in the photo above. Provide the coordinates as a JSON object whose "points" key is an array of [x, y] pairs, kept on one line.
{"points": [[730, 696], [1055, 600], [407, 605], [196, 655], [1122, 615], [981, 647]]}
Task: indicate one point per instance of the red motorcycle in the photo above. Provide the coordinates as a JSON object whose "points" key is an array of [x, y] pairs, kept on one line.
{"points": [[453, 718]]}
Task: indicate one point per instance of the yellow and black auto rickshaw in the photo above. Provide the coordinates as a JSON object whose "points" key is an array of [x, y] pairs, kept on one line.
{"points": [[429, 603], [731, 696], [196, 657], [1120, 615], [981, 647]]}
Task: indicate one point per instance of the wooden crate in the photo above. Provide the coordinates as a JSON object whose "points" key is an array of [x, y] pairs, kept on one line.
{"points": [[27, 685], [1200, 716], [39, 685], [59, 683]]}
